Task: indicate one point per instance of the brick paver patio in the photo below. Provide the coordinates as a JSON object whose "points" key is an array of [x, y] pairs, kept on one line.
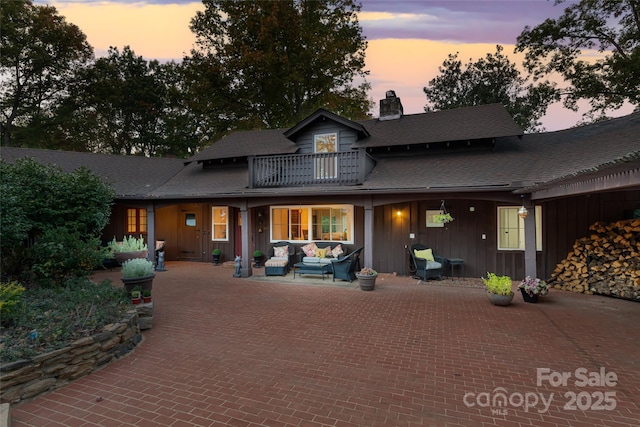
{"points": [[242, 352]]}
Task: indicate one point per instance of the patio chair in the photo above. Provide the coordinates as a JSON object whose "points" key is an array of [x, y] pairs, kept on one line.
{"points": [[345, 268], [279, 266], [427, 269]]}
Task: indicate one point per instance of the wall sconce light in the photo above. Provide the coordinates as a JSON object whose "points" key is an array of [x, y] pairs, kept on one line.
{"points": [[398, 214], [259, 221], [523, 212]]}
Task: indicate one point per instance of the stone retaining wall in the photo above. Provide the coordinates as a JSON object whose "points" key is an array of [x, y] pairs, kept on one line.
{"points": [[26, 379]]}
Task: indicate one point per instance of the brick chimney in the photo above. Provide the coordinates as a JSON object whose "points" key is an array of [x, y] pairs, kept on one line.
{"points": [[390, 107]]}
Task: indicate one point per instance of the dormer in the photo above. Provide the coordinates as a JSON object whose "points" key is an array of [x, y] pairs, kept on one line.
{"points": [[326, 132]]}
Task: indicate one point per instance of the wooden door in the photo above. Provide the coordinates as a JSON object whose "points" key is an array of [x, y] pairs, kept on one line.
{"points": [[190, 233]]}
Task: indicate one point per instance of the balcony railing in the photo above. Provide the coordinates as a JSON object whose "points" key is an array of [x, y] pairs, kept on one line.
{"points": [[294, 170]]}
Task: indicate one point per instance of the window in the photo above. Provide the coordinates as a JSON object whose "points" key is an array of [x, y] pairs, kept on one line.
{"points": [[326, 223], [219, 223], [511, 228], [326, 167], [136, 221]]}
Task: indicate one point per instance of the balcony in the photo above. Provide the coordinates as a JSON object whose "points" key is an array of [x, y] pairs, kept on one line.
{"points": [[296, 170]]}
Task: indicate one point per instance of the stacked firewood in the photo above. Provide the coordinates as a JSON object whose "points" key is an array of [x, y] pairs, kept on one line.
{"points": [[606, 262]]}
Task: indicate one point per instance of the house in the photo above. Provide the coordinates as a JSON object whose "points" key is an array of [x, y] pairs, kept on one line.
{"points": [[378, 184]]}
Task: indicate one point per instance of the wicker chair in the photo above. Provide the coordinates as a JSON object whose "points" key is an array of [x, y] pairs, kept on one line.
{"points": [[427, 269], [345, 268]]}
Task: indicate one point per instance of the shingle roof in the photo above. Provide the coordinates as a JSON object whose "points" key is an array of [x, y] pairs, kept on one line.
{"points": [[478, 122], [248, 143], [515, 163], [130, 176]]}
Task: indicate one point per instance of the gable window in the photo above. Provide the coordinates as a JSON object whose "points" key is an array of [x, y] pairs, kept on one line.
{"points": [[312, 223], [511, 228], [326, 166], [220, 223], [137, 221]]}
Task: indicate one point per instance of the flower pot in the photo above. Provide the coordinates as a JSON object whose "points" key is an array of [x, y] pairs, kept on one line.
{"points": [[145, 283], [146, 300], [216, 259], [529, 298], [136, 301], [367, 282], [496, 299], [121, 257]]}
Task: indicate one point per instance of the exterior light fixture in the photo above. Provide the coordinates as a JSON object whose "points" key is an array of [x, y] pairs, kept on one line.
{"points": [[523, 212]]}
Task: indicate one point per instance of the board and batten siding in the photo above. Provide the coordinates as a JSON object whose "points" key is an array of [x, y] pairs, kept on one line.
{"points": [[346, 136]]}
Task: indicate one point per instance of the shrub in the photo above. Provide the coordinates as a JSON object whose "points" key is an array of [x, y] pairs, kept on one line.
{"points": [[51, 318], [9, 299], [137, 267], [64, 213], [128, 244]]}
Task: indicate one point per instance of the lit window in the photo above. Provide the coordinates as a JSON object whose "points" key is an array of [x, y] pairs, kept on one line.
{"points": [[511, 228], [326, 167], [326, 223], [220, 223], [136, 221]]}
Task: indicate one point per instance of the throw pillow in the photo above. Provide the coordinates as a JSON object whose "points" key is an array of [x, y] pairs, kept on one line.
{"points": [[321, 253], [425, 254], [281, 251], [310, 249], [337, 251]]}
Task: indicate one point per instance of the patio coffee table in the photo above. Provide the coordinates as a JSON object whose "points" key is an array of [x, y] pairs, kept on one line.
{"points": [[311, 268]]}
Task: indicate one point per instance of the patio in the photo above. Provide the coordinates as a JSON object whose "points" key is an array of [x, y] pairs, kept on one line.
{"points": [[270, 351]]}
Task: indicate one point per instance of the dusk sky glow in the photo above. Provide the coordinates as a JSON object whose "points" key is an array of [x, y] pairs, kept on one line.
{"points": [[407, 40]]}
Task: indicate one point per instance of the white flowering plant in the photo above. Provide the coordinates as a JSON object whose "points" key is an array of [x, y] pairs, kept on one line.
{"points": [[534, 286]]}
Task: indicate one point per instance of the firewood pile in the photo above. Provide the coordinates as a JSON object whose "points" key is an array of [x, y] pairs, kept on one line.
{"points": [[607, 262]]}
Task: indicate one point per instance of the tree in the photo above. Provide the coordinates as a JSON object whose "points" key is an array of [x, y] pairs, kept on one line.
{"points": [[493, 79], [40, 53], [116, 106], [610, 27], [281, 60], [51, 221]]}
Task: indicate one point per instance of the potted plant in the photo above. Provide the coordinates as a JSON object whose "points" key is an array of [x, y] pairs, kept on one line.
{"points": [[257, 258], [367, 278], [443, 217], [532, 288], [217, 253], [137, 272], [498, 289], [129, 248], [146, 296], [136, 295]]}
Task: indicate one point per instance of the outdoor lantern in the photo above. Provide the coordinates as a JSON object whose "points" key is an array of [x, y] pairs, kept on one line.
{"points": [[523, 212]]}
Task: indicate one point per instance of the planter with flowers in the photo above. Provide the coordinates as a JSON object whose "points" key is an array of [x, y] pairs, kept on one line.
{"points": [[498, 289], [137, 272], [532, 288], [367, 278], [443, 217], [129, 248]]}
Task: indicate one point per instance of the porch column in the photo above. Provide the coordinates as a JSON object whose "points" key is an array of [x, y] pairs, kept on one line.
{"points": [[247, 226], [368, 233], [530, 267], [151, 234]]}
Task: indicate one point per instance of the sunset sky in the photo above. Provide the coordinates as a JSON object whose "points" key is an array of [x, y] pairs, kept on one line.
{"points": [[407, 40]]}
